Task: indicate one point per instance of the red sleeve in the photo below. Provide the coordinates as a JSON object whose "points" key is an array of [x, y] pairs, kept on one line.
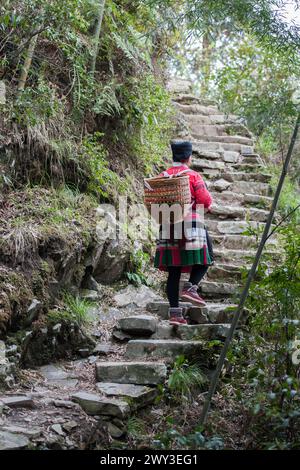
{"points": [[201, 193]]}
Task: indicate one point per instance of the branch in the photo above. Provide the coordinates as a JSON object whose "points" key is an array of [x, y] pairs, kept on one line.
{"points": [[282, 220]]}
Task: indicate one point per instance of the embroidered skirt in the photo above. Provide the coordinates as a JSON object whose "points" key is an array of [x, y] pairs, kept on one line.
{"points": [[181, 246]]}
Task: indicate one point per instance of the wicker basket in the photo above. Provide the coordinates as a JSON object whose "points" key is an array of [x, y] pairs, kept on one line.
{"points": [[168, 190]]}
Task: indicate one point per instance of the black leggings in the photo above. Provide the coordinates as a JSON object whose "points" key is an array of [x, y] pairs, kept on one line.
{"points": [[197, 273]]}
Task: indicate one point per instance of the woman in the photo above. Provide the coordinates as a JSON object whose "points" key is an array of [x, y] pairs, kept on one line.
{"points": [[192, 250]]}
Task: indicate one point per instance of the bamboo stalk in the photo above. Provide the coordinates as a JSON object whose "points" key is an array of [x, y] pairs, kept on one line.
{"points": [[97, 36], [27, 63], [236, 318]]}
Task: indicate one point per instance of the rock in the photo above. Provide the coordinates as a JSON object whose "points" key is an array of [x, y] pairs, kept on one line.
{"points": [[179, 85], [141, 324], [84, 352], [231, 157], [54, 287], [135, 296], [205, 331], [229, 212], [45, 345], [136, 395], [218, 288], [164, 331], [113, 261], [92, 359], [197, 315], [103, 348], [68, 426], [114, 430], [143, 373], [120, 335], [232, 227], [91, 295], [155, 348], [90, 283], [6, 368], [57, 376], [18, 401], [64, 404], [33, 312], [29, 432], [251, 187], [203, 163], [12, 441], [95, 405], [221, 185], [58, 429]]}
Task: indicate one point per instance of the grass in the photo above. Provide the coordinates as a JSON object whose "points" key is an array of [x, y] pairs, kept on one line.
{"points": [[135, 427], [185, 379], [77, 308]]}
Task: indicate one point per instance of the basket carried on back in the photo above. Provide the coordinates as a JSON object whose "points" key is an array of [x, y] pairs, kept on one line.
{"points": [[169, 190]]}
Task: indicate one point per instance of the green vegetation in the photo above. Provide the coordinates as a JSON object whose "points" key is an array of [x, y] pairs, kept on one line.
{"points": [[85, 117], [75, 310], [185, 379]]}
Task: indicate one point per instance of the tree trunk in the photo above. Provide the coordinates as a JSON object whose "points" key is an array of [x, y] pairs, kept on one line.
{"points": [[27, 63], [206, 63], [97, 36]]}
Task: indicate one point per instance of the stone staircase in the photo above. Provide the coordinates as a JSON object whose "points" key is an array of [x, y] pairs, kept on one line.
{"points": [[224, 154]]}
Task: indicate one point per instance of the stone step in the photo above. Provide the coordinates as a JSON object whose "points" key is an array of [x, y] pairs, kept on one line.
{"points": [[188, 99], [235, 256], [157, 348], [137, 396], [213, 289], [212, 133], [240, 242], [213, 312], [243, 187], [247, 167], [94, 404], [202, 163], [249, 159], [258, 199], [203, 331], [243, 176], [144, 325], [139, 373], [231, 226], [235, 212], [222, 118], [224, 272], [215, 146], [218, 312], [228, 197], [225, 212], [13, 441]]}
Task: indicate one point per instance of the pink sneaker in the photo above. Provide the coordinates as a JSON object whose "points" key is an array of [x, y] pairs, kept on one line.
{"points": [[175, 316], [191, 294]]}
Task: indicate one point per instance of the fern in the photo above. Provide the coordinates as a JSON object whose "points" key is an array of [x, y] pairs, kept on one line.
{"points": [[106, 103], [135, 49]]}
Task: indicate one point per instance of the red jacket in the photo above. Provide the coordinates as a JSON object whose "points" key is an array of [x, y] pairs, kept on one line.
{"points": [[199, 192]]}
